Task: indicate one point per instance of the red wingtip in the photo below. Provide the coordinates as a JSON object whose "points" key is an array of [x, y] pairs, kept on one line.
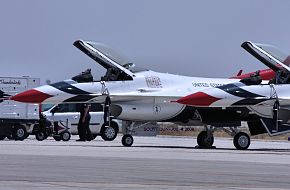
{"points": [[198, 99], [30, 96]]}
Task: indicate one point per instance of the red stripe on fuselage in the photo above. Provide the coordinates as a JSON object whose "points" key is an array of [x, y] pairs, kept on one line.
{"points": [[30, 96], [198, 99]]}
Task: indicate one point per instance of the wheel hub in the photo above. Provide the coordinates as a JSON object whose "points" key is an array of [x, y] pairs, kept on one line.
{"points": [[207, 140], [65, 136], [128, 140], [41, 135], [110, 132], [243, 141], [20, 132]]}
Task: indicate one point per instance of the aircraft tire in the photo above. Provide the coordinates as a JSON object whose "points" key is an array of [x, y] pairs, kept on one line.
{"points": [[127, 140], [2, 137], [109, 133], [65, 136], [204, 141], [242, 141], [20, 133], [40, 136], [57, 138]]}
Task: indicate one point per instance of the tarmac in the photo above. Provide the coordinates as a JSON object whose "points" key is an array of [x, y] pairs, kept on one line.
{"points": [[151, 163]]}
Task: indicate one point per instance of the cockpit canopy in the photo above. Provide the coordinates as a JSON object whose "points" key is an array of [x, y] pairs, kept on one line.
{"points": [[272, 57], [109, 52], [118, 67]]}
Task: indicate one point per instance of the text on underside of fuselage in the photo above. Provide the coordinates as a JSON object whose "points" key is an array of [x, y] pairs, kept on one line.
{"points": [[205, 84]]}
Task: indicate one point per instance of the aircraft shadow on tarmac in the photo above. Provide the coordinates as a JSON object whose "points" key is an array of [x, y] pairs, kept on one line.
{"points": [[218, 149], [261, 150]]}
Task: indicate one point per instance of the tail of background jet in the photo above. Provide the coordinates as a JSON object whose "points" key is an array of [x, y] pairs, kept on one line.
{"points": [[240, 72], [3, 96]]}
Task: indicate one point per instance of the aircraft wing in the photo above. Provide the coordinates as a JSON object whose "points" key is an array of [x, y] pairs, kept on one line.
{"points": [[103, 55], [269, 55]]}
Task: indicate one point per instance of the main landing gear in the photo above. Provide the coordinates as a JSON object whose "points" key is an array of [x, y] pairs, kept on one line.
{"points": [[205, 140], [241, 140]]}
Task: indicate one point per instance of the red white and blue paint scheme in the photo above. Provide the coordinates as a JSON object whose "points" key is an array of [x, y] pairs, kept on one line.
{"points": [[269, 103], [135, 95]]}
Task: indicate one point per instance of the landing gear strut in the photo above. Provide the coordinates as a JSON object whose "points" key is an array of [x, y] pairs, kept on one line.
{"points": [[127, 129], [241, 140]]}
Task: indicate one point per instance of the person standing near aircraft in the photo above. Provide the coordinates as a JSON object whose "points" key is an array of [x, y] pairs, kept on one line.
{"points": [[84, 123], [87, 118]]}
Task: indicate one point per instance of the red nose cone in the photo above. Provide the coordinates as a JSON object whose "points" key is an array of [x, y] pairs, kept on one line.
{"points": [[30, 96], [198, 99]]}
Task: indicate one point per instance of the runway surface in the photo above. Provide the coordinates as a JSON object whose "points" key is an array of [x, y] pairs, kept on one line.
{"points": [[152, 163]]}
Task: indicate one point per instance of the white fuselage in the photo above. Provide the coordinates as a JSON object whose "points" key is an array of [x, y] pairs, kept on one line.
{"points": [[243, 95], [149, 96]]}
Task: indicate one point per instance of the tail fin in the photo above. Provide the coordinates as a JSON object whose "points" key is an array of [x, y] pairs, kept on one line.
{"points": [[240, 73]]}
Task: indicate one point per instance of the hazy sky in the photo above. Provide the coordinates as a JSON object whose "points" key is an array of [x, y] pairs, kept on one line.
{"points": [[195, 38]]}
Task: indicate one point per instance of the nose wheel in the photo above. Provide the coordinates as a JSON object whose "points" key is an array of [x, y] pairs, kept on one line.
{"points": [[127, 140]]}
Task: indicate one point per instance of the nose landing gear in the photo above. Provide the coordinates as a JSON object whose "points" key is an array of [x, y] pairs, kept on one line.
{"points": [[127, 140]]}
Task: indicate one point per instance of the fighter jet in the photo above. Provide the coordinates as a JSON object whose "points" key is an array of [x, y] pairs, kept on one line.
{"points": [[269, 104], [136, 95]]}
